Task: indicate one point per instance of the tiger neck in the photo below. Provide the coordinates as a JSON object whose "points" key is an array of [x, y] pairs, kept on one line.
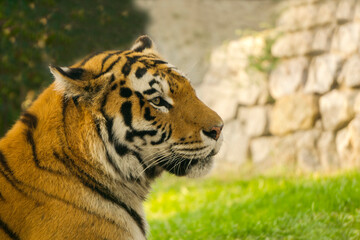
{"points": [[80, 146]]}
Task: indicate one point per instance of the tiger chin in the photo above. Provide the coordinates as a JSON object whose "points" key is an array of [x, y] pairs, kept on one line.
{"points": [[79, 162]]}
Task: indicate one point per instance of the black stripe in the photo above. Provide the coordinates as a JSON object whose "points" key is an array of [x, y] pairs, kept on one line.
{"points": [[121, 149], [141, 99], [140, 72], [161, 140], [79, 159], [113, 87], [126, 69], [76, 100], [89, 57], [149, 91], [147, 114], [90, 182], [105, 59], [2, 197], [5, 164], [170, 133], [125, 92], [126, 113], [109, 125], [31, 141], [8, 231], [156, 62], [9, 175], [29, 120], [109, 68], [141, 134], [102, 106], [14, 182], [108, 157], [112, 78], [150, 171], [152, 82], [187, 143]]}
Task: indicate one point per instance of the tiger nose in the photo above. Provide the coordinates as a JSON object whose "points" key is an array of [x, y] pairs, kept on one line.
{"points": [[214, 132]]}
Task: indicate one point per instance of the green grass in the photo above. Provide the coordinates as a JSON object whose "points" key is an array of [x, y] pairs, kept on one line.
{"points": [[307, 207]]}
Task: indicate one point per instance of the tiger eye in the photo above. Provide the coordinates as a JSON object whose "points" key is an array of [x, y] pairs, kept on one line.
{"points": [[156, 100]]}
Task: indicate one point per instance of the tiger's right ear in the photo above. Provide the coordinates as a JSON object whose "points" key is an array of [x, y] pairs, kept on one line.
{"points": [[70, 80], [143, 43]]}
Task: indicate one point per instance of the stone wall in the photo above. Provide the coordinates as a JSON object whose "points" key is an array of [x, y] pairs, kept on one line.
{"points": [[302, 112], [185, 31]]}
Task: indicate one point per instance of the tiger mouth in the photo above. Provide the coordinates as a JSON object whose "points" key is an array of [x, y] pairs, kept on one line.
{"points": [[180, 165]]}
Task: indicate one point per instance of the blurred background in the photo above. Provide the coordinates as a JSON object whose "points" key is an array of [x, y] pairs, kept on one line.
{"points": [[283, 74], [35, 34]]}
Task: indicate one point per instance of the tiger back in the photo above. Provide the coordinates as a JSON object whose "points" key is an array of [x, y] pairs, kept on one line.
{"points": [[79, 162]]}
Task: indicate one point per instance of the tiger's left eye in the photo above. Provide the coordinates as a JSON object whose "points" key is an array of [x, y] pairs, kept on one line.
{"points": [[156, 101]]}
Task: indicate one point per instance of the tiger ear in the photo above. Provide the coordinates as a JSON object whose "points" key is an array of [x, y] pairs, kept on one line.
{"points": [[142, 44], [62, 73], [71, 80]]}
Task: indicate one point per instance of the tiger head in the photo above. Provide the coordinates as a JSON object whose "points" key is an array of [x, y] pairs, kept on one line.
{"points": [[145, 111]]}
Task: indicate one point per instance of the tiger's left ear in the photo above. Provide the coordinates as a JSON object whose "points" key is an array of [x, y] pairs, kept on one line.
{"points": [[73, 81], [143, 43]]}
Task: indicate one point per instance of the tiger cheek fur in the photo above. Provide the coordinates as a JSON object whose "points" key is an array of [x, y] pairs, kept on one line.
{"points": [[79, 162]]}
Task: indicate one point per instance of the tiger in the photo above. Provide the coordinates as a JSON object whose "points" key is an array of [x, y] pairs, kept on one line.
{"points": [[79, 162]]}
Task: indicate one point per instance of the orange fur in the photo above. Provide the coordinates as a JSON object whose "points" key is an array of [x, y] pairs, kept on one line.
{"points": [[56, 175]]}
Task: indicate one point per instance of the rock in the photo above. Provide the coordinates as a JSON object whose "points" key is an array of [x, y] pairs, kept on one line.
{"points": [[293, 112], [336, 108], [298, 17], [302, 2], [354, 132], [234, 151], [251, 87], [221, 98], [346, 39], [293, 44], [326, 12], [288, 77], [254, 120], [218, 69], [306, 153], [357, 11], [343, 147], [348, 144], [270, 152], [238, 52], [327, 151], [262, 149], [322, 39], [357, 104], [287, 20], [345, 10], [350, 74], [322, 73], [230, 61]]}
